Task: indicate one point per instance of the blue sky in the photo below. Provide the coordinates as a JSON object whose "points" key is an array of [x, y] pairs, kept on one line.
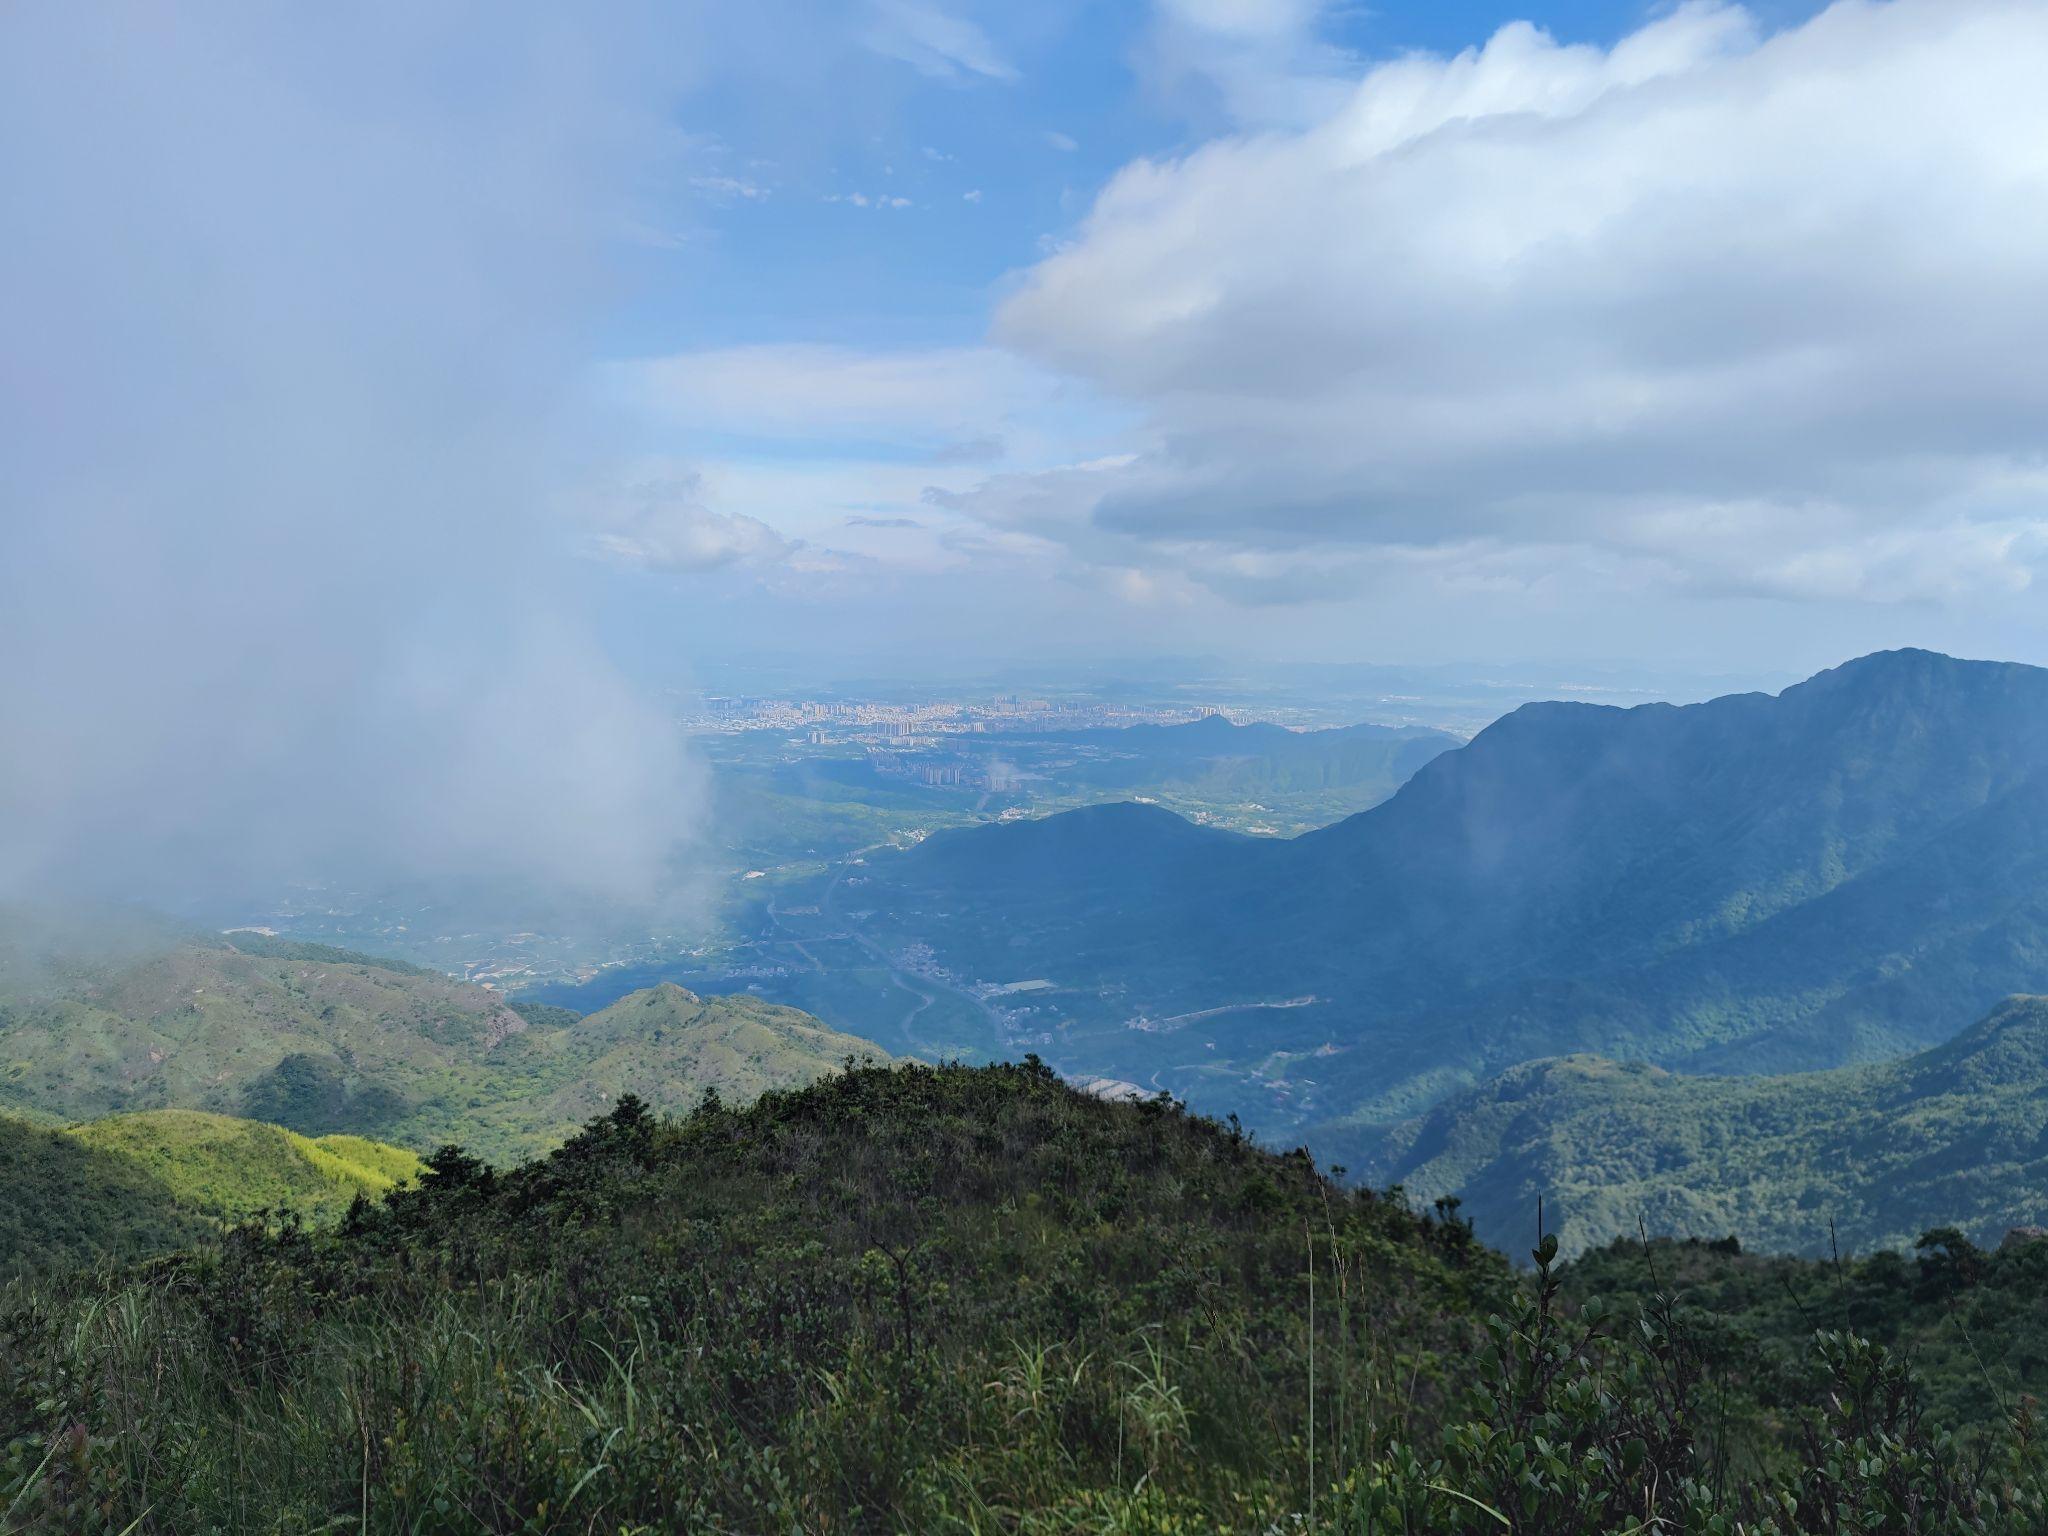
{"points": [[775, 259]]}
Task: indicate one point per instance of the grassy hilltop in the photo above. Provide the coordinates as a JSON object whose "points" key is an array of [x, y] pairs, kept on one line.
{"points": [[970, 1299]]}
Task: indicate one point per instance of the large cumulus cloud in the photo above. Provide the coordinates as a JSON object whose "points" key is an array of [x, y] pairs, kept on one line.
{"points": [[1746, 312]]}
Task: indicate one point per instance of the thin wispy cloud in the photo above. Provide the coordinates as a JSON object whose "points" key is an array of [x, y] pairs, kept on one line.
{"points": [[731, 187], [667, 525], [878, 200], [934, 41]]}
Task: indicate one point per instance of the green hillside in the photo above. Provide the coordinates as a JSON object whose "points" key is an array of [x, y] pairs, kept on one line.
{"points": [[145, 1183], [67, 1202], [664, 1044], [1846, 871], [1953, 1137], [971, 1299], [227, 1168], [324, 1042]]}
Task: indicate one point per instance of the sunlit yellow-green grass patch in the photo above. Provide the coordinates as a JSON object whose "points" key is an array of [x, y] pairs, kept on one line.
{"points": [[229, 1168]]}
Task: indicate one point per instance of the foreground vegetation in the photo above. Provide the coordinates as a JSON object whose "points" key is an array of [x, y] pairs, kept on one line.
{"points": [[1972, 1321], [943, 1299]]}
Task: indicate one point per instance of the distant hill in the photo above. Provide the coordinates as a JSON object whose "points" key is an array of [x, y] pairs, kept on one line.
{"points": [[1956, 1136], [133, 1185], [1851, 869], [325, 1042], [670, 1047]]}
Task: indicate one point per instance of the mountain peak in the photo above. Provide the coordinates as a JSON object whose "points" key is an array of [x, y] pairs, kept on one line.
{"points": [[663, 997], [1915, 666]]}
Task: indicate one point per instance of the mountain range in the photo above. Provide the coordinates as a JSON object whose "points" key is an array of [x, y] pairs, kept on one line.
{"points": [[1849, 870], [1716, 968]]}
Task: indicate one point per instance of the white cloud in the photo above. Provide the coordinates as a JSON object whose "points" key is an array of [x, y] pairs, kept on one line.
{"points": [[814, 441], [730, 187], [664, 525], [934, 41], [1708, 307], [1066, 144], [1253, 62]]}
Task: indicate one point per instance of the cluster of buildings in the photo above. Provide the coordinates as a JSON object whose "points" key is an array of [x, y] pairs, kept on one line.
{"points": [[827, 722]]}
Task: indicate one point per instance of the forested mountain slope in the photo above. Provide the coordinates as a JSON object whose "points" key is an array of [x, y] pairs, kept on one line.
{"points": [[1867, 1157], [1839, 872]]}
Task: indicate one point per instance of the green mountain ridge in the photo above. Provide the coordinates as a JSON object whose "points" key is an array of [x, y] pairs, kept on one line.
{"points": [[228, 1168], [1868, 1157], [323, 1042]]}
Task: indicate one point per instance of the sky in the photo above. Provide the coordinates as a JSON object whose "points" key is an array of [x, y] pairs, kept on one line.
{"points": [[399, 401], [1697, 334]]}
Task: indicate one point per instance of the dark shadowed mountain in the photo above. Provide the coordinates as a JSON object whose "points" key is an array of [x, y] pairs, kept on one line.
{"points": [[1956, 1136], [1846, 870]]}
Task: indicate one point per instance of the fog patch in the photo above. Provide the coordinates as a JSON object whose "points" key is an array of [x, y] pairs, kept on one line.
{"points": [[294, 299]]}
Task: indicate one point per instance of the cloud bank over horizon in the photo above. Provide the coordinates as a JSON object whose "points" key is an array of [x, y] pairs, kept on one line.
{"points": [[295, 303]]}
